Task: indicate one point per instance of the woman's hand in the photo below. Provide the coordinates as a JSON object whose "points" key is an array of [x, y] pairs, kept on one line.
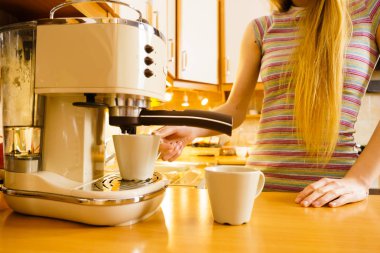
{"points": [[353, 187], [173, 140], [334, 192]]}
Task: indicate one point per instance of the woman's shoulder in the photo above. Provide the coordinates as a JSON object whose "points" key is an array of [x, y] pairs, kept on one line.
{"points": [[263, 21], [365, 10], [364, 7], [261, 26], [359, 3]]}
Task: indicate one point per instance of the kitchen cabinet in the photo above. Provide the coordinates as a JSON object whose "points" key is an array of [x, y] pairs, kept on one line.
{"points": [[236, 15], [204, 55], [163, 17], [171, 36], [159, 16], [198, 41]]}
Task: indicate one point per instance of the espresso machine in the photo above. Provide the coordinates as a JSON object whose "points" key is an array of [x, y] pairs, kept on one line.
{"points": [[65, 82]]}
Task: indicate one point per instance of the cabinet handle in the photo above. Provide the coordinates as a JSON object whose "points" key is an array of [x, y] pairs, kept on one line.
{"points": [[171, 50], [228, 72], [155, 19], [184, 60]]}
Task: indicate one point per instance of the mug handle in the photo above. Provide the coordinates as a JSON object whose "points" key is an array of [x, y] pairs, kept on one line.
{"points": [[261, 184]]}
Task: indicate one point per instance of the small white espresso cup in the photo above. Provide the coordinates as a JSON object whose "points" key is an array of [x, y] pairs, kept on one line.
{"points": [[232, 191], [136, 155]]}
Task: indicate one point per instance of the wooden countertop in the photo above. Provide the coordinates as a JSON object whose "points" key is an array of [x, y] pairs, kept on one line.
{"points": [[209, 156], [213, 160], [184, 224]]}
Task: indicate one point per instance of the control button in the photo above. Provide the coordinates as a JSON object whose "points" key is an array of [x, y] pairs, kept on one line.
{"points": [[148, 60], [148, 48], [148, 73]]}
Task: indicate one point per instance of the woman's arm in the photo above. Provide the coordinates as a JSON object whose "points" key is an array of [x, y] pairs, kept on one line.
{"points": [[246, 78], [353, 187], [245, 82], [175, 138]]}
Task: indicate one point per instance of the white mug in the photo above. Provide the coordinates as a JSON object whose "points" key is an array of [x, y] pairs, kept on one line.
{"points": [[136, 155], [232, 191]]}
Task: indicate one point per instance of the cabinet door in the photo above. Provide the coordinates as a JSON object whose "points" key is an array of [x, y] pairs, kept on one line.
{"points": [[159, 16], [198, 41], [164, 19], [171, 36], [237, 15]]}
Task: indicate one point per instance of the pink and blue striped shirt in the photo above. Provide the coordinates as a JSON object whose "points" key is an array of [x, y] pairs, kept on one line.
{"points": [[277, 151]]}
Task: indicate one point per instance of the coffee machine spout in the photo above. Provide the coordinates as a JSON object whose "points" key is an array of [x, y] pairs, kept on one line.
{"points": [[196, 118]]}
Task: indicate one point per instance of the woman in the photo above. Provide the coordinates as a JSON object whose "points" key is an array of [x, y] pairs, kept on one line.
{"points": [[315, 59]]}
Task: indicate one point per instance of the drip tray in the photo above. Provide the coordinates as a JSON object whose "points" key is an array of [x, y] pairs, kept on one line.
{"points": [[114, 182]]}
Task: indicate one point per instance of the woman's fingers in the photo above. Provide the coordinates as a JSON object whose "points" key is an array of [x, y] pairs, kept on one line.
{"points": [[173, 140], [166, 149], [335, 192], [310, 189], [330, 195], [177, 152], [170, 150], [322, 195]]}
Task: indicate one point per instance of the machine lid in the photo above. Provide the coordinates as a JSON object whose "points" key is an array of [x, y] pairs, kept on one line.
{"points": [[81, 21], [120, 21]]}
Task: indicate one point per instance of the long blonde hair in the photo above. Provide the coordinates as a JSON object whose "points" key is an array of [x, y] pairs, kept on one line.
{"points": [[317, 73]]}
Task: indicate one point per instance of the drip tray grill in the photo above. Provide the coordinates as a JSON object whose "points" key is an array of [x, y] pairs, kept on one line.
{"points": [[114, 182]]}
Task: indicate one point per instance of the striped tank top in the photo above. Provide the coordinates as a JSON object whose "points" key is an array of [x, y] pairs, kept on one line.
{"points": [[277, 151]]}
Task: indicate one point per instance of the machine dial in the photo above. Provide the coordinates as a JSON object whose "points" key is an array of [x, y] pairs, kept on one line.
{"points": [[148, 61], [148, 73], [148, 48]]}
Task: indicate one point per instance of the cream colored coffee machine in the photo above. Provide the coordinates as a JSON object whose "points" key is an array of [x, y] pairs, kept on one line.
{"points": [[64, 82]]}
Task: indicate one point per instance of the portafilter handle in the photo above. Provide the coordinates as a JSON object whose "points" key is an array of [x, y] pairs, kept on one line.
{"points": [[197, 118]]}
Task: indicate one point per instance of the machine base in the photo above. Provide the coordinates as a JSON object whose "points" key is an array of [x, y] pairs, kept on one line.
{"points": [[50, 195], [121, 215]]}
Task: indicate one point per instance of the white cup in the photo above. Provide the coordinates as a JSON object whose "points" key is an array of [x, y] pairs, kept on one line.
{"points": [[136, 155], [232, 191]]}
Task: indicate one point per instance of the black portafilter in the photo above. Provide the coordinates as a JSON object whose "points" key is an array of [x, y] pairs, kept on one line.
{"points": [[196, 118]]}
